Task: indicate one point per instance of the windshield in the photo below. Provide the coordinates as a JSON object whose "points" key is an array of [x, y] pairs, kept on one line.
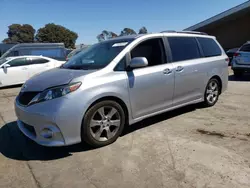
{"points": [[74, 52], [97, 56]]}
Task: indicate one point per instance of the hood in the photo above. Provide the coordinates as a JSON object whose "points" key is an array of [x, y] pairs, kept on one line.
{"points": [[53, 77]]}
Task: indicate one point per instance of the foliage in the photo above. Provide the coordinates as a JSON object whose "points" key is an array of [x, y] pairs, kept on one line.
{"points": [[143, 30], [18, 33], [56, 33], [105, 35], [127, 31]]}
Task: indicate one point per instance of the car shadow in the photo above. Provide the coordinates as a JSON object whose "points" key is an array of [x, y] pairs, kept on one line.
{"points": [[243, 78], [14, 145]]}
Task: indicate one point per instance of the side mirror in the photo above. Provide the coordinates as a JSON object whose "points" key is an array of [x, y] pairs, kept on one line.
{"points": [[138, 62], [5, 66]]}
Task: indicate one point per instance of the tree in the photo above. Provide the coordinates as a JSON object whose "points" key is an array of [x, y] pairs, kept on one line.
{"points": [[105, 35], [56, 33], [143, 30], [18, 33], [127, 31]]}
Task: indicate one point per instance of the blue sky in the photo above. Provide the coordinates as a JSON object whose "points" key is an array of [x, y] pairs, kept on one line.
{"points": [[89, 18]]}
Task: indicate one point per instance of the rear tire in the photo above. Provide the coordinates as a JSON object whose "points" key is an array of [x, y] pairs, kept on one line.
{"points": [[238, 73], [103, 123], [212, 92]]}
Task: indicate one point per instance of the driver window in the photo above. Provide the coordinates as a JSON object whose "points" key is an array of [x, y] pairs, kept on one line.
{"points": [[18, 62], [152, 49]]}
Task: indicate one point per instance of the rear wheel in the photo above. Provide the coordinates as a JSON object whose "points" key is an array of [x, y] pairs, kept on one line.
{"points": [[103, 123], [212, 92], [238, 73]]}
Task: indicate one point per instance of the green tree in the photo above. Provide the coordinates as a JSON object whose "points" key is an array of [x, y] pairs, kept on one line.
{"points": [[105, 35], [127, 31], [56, 33], [143, 30], [18, 33]]}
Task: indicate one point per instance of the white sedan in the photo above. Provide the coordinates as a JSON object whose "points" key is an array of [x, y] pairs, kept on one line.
{"points": [[16, 70]]}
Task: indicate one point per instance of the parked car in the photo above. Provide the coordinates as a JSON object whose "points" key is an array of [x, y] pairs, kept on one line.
{"points": [[53, 50], [16, 70], [118, 82], [241, 60], [230, 53]]}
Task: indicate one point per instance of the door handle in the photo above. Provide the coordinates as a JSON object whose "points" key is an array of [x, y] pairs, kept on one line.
{"points": [[167, 71], [179, 68]]}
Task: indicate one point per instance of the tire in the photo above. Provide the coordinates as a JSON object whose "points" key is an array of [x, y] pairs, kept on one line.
{"points": [[104, 123], [208, 101], [237, 73]]}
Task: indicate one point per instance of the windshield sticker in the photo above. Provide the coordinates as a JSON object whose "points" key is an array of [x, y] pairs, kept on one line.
{"points": [[120, 44]]}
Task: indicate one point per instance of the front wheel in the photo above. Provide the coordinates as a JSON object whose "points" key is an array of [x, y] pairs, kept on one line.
{"points": [[103, 123], [212, 92]]}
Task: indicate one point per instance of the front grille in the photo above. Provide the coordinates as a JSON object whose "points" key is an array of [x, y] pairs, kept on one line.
{"points": [[25, 97], [29, 128]]}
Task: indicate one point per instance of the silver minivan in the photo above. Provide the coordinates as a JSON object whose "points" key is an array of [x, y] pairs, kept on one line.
{"points": [[118, 82]]}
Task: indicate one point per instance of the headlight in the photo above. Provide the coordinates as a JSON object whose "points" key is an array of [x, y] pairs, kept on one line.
{"points": [[55, 92]]}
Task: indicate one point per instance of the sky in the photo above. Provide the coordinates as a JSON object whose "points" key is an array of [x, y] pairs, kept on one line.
{"points": [[89, 18]]}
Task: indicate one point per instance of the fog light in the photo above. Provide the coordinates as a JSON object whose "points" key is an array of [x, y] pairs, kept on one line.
{"points": [[47, 133]]}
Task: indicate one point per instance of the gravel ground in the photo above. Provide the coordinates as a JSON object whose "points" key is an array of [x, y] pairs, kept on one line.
{"points": [[188, 147]]}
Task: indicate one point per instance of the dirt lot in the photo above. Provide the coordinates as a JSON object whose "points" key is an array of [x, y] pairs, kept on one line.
{"points": [[189, 147]]}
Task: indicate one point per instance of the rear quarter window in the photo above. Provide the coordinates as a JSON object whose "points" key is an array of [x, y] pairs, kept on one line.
{"points": [[209, 47]]}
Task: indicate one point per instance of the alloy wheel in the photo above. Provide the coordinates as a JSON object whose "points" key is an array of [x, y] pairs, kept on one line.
{"points": [[212, 92], [105, 123]]}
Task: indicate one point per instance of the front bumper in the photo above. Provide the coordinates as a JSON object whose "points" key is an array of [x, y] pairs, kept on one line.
{"points": [[53, 115]]}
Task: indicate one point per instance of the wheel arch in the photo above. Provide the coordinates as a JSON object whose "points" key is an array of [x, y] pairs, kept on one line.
{"points": [[113, 98]]}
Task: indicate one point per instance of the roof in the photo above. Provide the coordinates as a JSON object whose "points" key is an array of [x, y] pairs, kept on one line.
{"points": [[220, 16]]}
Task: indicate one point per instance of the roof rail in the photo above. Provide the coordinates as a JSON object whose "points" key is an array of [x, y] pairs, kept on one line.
{"points": [[188, 32]]}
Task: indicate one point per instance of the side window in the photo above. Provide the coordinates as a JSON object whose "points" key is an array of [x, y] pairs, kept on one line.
{"points": [[18, 62], [210, 47], [54, 53], [183, 48], [121, 66], [37, 60], [152, 49]]}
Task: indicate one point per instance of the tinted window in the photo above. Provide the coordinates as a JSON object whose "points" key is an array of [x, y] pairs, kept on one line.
{"points": [[18, 62], [121, 66], [151, 49], [37, 60], [245, 48], [183, 48], [209, 47]]}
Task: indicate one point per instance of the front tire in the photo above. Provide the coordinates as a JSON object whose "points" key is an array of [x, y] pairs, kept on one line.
{"points": [[103, 123], [212, 92]]}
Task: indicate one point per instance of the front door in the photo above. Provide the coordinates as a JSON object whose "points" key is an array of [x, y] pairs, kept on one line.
{"points": [[151, 88], [38, 65], [17, 73]]}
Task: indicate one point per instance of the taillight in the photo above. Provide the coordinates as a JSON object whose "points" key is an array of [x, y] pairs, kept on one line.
{"points": [[236, 54], [227, 60]]}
